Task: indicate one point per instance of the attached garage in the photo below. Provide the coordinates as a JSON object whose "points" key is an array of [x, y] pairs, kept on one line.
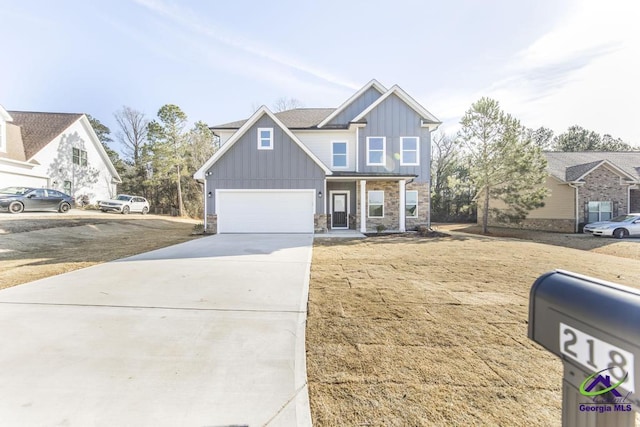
{"points": [[265, 211]]}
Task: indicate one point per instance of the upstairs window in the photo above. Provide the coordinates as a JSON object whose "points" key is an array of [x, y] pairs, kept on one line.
{"points": [[339, 155], [376, 154], [265, 138], [79, 157], [410, 151]]}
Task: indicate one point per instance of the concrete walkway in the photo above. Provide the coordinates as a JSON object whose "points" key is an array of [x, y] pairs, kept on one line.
{"points": [[205, 333]]}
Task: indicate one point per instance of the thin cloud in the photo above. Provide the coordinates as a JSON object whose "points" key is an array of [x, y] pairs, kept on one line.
{"points": [[188, 19], [580, 72]]}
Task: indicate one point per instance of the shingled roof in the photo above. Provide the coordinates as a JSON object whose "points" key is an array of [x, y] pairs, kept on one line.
{"points": [[298, 118], [570, 166], [39, 129]]}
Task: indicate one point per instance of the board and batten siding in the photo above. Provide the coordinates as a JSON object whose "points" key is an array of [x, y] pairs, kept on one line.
{"points": [[287, 166], [320, 143], [356, 107], [393, 119]]}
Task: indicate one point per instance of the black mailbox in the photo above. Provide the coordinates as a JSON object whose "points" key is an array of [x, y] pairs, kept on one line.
{"points": [[594, 327]]}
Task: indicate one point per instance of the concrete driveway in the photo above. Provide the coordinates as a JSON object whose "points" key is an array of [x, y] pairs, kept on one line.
{"points": [[206, 333]]}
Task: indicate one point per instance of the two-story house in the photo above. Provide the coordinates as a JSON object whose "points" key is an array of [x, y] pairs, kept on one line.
{"points": [[360, 166], [54, 150]]}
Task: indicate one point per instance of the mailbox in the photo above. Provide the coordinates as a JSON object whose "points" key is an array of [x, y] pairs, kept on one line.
{"points": [[594, 327]]}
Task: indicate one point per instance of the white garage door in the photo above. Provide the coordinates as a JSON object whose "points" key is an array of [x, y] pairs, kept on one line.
{"points": [[265, 211]]}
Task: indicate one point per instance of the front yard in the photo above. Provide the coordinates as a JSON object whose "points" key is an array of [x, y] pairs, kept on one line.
{"points": [[43, 244], [408, 331]]}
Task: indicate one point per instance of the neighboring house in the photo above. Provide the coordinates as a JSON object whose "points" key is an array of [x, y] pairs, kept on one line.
{"points": [[362, 165], [586, 187], [54, 150]]}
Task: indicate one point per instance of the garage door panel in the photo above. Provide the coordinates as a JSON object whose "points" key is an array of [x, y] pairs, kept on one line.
{"points": [[261, 211]]}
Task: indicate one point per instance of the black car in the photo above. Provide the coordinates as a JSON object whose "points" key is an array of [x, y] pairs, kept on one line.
{"points": [[19, 199]]}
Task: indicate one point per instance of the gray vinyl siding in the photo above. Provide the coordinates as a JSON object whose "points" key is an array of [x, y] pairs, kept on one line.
{"points": [[393, 119], [356, 107], [287, 166], [344, 186]]}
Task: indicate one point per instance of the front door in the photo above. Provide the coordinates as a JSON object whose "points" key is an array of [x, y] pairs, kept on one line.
{"points": [[339, 211]]}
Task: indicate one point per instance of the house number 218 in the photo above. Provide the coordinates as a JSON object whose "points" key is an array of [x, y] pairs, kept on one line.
{"points": [[595, 354]]}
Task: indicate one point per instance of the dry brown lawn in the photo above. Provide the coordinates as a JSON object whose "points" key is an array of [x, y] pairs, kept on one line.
{"points": [[33, 247], [409, 331]]}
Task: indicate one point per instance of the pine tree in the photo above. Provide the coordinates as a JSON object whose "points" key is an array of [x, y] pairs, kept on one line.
{"points": [[506, 165]]}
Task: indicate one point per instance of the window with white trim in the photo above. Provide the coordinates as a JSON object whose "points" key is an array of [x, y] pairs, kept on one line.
{"points": [[376, 204], [410, 151], [265, 138], [376, 150], [339, 154], [600, 211], [411, 204], [79, 157]]}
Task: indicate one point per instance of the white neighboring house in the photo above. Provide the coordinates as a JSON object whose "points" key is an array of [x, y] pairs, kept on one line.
{"points": [[55, 150]]}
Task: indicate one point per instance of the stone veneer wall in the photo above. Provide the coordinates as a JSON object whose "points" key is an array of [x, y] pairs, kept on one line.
{"points": [[392, 209], [391, 199], [212, 224], [602, 185], [321, 223], [542, 224]]}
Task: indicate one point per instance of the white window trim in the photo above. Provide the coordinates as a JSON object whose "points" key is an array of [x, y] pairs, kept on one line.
{"points": [[270, 147], [417, 150], [369, 203], [405, 204], [384, 151], [346, 154], [600, 211]]}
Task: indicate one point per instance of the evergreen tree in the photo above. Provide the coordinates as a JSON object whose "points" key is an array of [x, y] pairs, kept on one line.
{"points": [[506, 165]]}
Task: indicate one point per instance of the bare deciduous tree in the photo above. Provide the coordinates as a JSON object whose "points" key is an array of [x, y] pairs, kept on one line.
{"points": [[133, 132], [283, 104]]}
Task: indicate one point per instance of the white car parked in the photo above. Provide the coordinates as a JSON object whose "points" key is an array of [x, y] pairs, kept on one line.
{"points": [[124, 204], [618, 227]]}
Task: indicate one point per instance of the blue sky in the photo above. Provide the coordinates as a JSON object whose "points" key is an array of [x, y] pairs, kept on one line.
{"points": [[549, 62]]}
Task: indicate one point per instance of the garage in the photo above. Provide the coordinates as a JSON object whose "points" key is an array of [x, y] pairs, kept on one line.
{"points": [[265, 211]]}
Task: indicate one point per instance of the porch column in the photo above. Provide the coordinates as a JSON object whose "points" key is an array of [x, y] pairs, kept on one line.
{"points": [[363, 206], [401, 208]]}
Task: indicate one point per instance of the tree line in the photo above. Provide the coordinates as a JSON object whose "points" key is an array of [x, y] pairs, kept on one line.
{"points": [[494, 157], [160, 156]]}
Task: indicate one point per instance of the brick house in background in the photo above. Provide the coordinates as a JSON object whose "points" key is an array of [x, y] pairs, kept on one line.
{"points": [[585, 187], [360, 166]]}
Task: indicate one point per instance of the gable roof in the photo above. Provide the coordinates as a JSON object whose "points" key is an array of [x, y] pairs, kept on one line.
{"points": [[39, 129], [372, 84], [573, 166], [4, 115], [244, 128], [429, 120], [297, 118]]}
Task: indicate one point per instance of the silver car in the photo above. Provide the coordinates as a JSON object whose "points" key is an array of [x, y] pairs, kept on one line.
{"points": [[619, 227], [125, 203]]}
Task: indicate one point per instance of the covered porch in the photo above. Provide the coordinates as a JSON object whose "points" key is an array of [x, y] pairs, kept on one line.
{"points": [[375, 202]]}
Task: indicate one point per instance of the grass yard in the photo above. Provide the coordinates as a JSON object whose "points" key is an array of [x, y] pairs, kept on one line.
{"points": [[409, 331]]}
